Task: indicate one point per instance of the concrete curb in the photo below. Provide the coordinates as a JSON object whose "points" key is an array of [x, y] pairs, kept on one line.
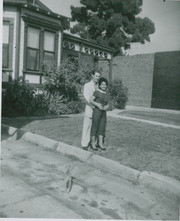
{"points": [[73, 151], [114, 167], [161, 183], [157, 182], [40, 140]]}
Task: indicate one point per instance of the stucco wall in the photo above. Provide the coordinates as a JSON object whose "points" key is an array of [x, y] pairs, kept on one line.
{"points": [[136, 73], [166, 83]]}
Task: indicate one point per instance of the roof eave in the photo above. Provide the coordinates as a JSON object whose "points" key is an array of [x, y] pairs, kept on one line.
{"points": [[65, 20], [89, 42]]}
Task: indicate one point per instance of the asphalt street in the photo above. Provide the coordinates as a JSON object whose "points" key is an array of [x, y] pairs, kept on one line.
{"points": [[41, 183]]}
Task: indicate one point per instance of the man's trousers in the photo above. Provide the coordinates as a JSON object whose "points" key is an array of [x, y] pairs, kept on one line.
{"points": [[86, 131]]}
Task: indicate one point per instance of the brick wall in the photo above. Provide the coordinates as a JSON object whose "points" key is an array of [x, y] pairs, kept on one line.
{"points": [[166, 82], [136, 73], [153, 80]]}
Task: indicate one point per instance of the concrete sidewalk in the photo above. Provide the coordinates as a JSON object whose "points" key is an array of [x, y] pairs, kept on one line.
{"points": [[157, 182], [39, 182]]}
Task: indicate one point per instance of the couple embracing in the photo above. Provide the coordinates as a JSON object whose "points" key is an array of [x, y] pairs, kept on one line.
{"points": [[94, 126]]}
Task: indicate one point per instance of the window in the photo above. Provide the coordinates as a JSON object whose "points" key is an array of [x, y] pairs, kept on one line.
{"points": [[5, 46], [49, 47], [40, 45], [33, 49]]}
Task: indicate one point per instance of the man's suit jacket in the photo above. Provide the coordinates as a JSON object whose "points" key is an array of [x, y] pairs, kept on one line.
{"points": [[89, 89]]}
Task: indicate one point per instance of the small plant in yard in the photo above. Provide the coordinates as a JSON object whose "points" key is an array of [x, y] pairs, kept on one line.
{"points": [[118, 94]]}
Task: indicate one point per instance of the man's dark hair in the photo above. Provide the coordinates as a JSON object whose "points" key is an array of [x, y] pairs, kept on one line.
{"points": [[103, 80], [93, 72]]}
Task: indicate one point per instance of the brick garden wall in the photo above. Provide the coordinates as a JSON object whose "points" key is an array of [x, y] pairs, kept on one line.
{"points": [[136, 73], [153, 80], [166, 82]]}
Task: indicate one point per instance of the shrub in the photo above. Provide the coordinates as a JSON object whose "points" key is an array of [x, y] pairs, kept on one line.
{"points": [[40, 103], [62, 84], [21, 99], [60, 94], [58, 105], [60, 80], [118, 94]]}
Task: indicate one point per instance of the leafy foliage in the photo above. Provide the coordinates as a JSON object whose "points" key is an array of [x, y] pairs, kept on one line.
{"points": [[112, 22], [63, 83], [118, 94], [59, 106], [21, 99], [60, 80], [67, 79], [59, 95]]}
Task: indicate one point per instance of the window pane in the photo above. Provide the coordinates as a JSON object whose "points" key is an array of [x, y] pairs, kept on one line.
{"points": [[5, 34], [49, 57], [32, 59], [33, 38], [5, 55], [49, 41]]}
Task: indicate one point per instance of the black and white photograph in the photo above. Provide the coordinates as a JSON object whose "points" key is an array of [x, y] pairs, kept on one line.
{"points": [[90, 110]]}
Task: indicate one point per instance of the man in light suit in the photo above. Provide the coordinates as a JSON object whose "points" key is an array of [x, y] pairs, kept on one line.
{"points": [[89, 89]]}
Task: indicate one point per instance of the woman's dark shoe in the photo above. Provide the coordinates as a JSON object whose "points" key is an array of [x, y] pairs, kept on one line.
{"points": [[102, 148], [94, 148]]}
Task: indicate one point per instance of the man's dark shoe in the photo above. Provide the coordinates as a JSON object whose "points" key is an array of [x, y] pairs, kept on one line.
{"points": [[85, 148]]}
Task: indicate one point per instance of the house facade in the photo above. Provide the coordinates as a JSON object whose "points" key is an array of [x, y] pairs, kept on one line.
{"points": [[32, 33]]}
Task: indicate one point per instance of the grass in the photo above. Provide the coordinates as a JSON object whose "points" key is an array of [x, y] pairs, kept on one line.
{"points": [[135, 144]]}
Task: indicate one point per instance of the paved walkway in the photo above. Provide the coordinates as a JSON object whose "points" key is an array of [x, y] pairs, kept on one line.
{"points": [[116, 113], [41, 183], [152, 109]]}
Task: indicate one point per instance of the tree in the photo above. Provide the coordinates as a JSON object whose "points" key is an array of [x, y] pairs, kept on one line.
{"points": [[112, 22]]}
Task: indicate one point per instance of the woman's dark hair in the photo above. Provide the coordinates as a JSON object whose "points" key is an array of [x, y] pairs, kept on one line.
{"points": [[103, 80]]}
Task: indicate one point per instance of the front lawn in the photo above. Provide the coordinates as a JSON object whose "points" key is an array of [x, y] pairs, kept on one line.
{"points": [[135, 144]]}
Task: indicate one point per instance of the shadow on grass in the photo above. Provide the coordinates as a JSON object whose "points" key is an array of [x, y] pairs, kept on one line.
{"points": [[20, 122]]}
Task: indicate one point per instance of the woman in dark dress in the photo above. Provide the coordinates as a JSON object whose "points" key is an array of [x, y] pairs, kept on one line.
{"points": [[99, 118]]}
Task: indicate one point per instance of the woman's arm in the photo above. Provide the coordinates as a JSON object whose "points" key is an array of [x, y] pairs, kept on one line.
{"points": [[106, 107], [98, 105]]}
